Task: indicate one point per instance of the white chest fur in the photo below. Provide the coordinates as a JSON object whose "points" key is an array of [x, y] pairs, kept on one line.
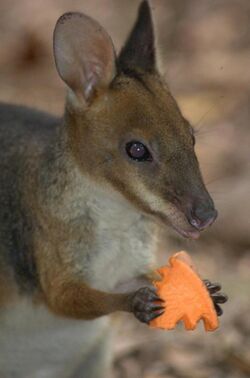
{"points": [[114, 242], [36, 344], [123, 248]]}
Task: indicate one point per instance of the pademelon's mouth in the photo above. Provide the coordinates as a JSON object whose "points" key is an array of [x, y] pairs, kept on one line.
{"points": [[190, 234], [177, 220]]}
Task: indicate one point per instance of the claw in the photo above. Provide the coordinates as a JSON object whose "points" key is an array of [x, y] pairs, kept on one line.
{"points": [[156, 298], [207, 282], [146, 318], [213, 288], [220, 298], [150, 294], [218, 309], [156, 314], [157, 308]]}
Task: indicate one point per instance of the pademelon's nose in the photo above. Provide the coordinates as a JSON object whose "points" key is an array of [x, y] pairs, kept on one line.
{"points": [[203, 215]]}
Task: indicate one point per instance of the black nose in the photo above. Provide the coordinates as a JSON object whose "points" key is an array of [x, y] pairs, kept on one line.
{"points": [[202, 216]]}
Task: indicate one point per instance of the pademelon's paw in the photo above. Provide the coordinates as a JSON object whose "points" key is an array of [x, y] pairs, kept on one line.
{"points": [[145, 304], [217, 297]]}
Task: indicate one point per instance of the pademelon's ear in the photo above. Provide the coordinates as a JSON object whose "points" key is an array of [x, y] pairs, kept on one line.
{"points": [[139, 50], [84, 54]]}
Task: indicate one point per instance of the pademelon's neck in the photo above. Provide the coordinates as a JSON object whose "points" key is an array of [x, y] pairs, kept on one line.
{"points": [[103, 229], [68, 193]]}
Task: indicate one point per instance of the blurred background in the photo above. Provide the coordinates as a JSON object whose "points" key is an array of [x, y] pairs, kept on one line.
{"points": [[204, 54]]}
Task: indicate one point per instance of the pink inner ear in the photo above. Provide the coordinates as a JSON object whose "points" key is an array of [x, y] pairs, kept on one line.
{"points": [[92, 78], [84, 54]]}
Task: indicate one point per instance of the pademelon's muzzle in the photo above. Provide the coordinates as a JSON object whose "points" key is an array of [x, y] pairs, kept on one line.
{"points": [[198, 213], [202, 215]]}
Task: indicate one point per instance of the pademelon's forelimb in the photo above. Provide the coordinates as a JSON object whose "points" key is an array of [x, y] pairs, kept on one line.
{"points": [[79, 301]]}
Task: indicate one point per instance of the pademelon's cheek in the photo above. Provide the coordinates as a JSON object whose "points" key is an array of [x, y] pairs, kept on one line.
{"points": [[159, 207], [151, 199]]}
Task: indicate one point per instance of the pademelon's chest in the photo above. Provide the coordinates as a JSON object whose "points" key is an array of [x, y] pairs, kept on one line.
{"points": [[114, 242], [124, 249], [35, 343]]}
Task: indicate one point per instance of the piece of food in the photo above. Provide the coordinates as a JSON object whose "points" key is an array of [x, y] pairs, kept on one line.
{"points": [[185, 295]]}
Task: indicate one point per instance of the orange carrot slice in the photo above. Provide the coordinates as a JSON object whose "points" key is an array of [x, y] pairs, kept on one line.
{"points": [[186, 296]]}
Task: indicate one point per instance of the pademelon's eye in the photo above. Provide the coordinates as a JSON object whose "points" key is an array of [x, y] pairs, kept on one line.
{"points": [[138, 151]]}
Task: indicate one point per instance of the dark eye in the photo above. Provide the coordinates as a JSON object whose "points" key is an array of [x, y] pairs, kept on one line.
{"points": [[138, 151]]}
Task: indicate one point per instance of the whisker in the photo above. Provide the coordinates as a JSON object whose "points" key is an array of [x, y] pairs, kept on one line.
{"points": [[202, 119], [215, 179], [218, 199], [205, 130], [216, 192], [199, 125]]}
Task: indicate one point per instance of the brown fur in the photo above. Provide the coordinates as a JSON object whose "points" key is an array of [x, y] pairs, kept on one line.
{"points": [[68, 188]]}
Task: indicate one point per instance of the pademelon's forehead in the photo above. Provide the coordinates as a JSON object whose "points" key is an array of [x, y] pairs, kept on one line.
{"points": [[141, 107], [147, 104]]}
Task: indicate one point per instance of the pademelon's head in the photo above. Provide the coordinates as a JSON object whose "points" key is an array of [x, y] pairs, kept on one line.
{"points": [[125, 128]]}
